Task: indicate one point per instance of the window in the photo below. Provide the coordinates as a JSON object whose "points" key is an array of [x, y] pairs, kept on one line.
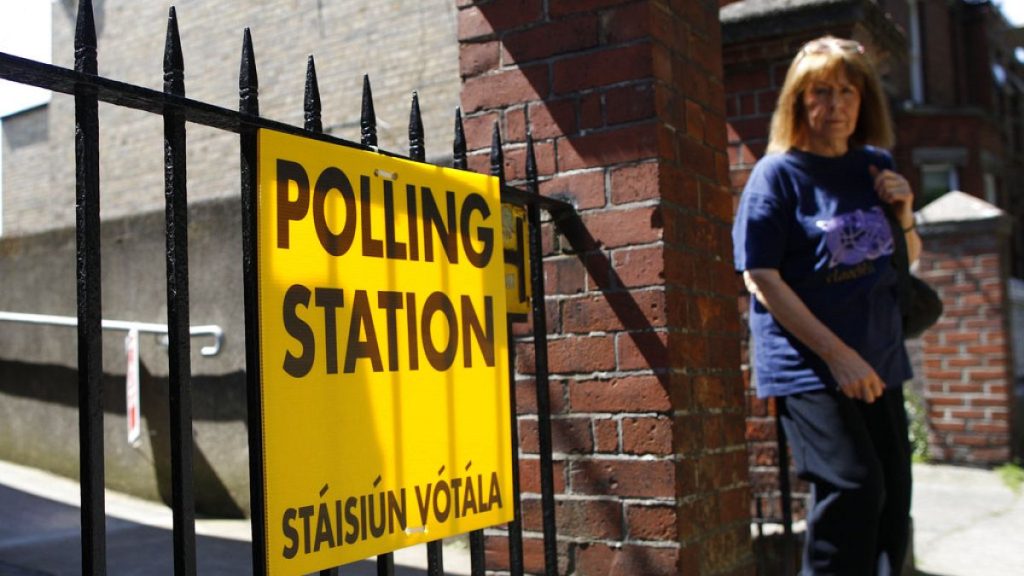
{"points": [[991, 190], [936, 180]]}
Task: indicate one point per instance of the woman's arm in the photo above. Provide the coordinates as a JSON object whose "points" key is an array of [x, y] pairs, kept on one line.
{"points": [[856, 378], [894, 190]]}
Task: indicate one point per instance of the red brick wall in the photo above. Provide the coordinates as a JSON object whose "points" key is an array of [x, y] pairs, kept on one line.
{"points": [[948, 129], [624, 101], [968, 368]]}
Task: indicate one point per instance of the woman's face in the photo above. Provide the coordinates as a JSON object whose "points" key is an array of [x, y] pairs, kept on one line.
{"points": [[832, 107]]}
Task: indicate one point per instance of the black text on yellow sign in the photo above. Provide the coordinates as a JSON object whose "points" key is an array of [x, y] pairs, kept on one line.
{"points": [[384, 353]]}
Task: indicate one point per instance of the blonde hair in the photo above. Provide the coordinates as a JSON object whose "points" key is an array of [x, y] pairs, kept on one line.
{"points": [[827, 58]]}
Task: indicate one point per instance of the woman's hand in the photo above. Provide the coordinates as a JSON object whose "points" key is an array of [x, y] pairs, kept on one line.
{"points": [[894, 189], [855, 377]]}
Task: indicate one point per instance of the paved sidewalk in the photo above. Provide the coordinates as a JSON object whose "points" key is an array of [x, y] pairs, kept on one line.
{"points": [[967, 522], [40, 535]]}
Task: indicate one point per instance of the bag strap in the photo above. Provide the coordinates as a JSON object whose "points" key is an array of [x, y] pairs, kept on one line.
{"points": [[900, 260]]}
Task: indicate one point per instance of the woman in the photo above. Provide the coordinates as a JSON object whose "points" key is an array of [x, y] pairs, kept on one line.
{"points": [[814, 246]]}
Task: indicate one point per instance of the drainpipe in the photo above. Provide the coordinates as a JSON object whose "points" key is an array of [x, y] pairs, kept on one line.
{"points": [[916, 66]]}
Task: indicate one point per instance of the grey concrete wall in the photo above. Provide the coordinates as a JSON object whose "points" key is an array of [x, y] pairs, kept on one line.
{"points": [[403, 45], [38, 364]]}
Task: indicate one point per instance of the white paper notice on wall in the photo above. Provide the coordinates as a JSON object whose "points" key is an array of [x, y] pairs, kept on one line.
{"points": [[133, 400]]}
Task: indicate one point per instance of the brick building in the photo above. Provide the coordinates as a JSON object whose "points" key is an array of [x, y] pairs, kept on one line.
{"points": [[625, 102]]}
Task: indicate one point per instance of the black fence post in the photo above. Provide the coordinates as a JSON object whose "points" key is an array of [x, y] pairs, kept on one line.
{"points": [[477, 561], [90, 311], [248, 105], [368, 137], [312, 122], [515, 527], [179, 339], [417, 152], [540, 344]]}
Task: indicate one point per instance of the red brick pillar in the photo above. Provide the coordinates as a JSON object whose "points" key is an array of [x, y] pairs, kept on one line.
{"points": [[967, 372], [625, 103]]}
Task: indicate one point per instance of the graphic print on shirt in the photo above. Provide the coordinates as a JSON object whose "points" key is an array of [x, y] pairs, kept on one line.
{"points": [[857, 237]]}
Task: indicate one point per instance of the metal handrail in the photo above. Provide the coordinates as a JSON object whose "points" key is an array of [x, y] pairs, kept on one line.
{"points": [[212, 330]]}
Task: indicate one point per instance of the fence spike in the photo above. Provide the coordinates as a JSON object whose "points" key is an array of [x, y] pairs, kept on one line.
{"points": [[531, 165], [85, 39], [174, 61], [459, 147], [248, 82], [368, 120], [416, 144], [497, 156], [311, 101]]}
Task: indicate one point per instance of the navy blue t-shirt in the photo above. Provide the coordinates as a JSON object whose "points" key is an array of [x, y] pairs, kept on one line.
{"points": [[820, 223]]}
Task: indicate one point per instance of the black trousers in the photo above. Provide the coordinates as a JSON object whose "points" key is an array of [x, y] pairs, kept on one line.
{"points": [[857, 458]]}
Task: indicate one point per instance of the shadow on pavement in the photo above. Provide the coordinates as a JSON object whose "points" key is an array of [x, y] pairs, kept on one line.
{"points": [[41, 537]]}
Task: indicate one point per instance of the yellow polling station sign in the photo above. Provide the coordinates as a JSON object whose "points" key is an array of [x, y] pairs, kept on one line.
{"points": [[514, 232], [384, 353]]}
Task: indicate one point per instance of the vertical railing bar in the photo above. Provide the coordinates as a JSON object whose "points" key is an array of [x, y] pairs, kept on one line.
{"points": [[179, 339], [313, 123], [786, 494], [90, 342], [477, 561], [515, 527], [248, 103], [386, 564], [368, 137], [417, 152], [540, 343], [435, 558]]}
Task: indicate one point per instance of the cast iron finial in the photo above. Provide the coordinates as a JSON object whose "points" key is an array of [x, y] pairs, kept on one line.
{"points": [[311, 101], [497, 156], [368, 119], [85, 39], [459, 147], [248, 82], [174, 62], [416, 145], [531, 165]]}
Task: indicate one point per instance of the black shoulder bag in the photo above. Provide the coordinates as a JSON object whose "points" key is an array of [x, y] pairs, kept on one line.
{"points": [[920, 304]]}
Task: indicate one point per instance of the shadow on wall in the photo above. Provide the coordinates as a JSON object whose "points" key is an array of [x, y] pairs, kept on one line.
{"points": [[577, 121], [49, 438], [584, 89]]}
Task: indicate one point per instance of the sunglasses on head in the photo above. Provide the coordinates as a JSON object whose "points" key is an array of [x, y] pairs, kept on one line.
{"points": [[829, 45]]}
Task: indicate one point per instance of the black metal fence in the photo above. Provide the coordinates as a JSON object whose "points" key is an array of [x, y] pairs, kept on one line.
{"points": [[88, 90]]}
